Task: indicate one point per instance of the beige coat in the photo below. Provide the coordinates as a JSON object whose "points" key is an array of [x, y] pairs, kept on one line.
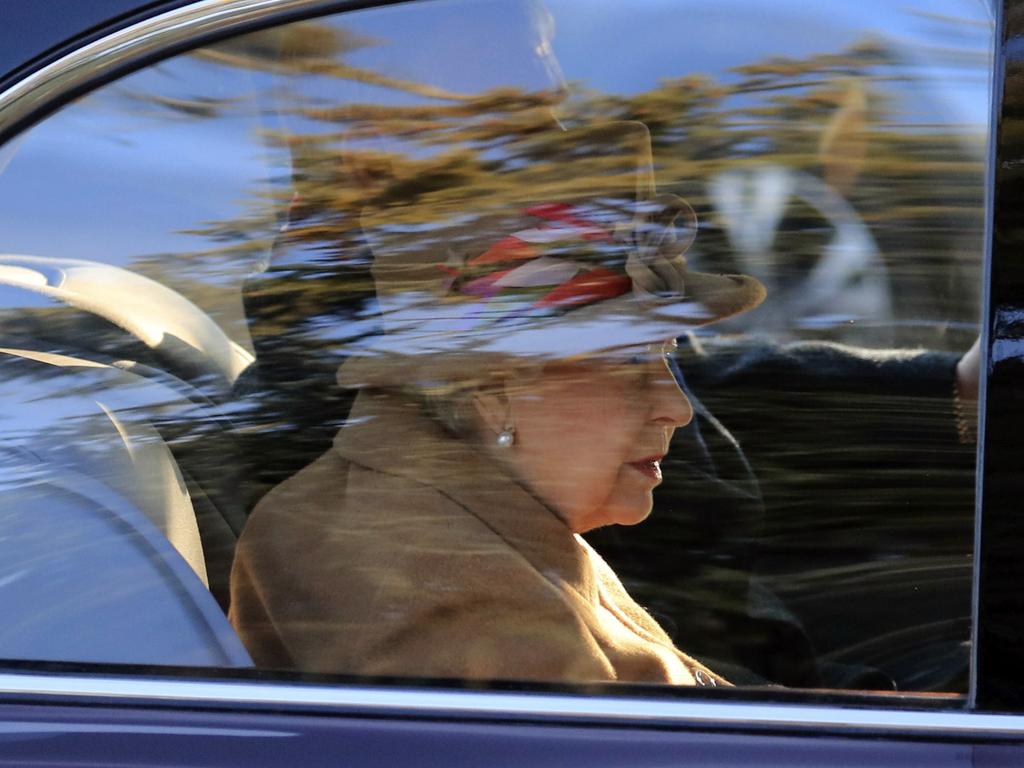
{"points": [[404, 551]]}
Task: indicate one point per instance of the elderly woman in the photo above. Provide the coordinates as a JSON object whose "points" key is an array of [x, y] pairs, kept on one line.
{"points": [[519, 396]]}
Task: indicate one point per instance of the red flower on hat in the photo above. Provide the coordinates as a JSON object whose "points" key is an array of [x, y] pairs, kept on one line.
{"points": [[585, 288], [565, 214], [484, 286], [481, 276], [509, 248]]}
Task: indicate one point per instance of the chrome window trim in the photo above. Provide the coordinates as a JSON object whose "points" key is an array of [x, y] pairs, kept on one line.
{"points": [[107, 56], [560, 708]]}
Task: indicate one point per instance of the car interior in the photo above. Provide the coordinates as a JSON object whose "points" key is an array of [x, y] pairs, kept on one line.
{"points": [[150, 427]]}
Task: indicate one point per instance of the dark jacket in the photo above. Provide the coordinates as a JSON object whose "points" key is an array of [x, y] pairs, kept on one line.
{"points": [[819, 513]]}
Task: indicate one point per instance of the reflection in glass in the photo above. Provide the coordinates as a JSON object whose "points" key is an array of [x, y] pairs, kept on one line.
{"points": [[381, 206]]}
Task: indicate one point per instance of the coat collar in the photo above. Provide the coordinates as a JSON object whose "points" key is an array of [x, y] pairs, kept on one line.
{"points": [[391, 434]]}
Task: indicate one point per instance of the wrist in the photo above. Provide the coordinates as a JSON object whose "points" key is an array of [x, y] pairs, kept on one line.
{"points": [[965, 410]]}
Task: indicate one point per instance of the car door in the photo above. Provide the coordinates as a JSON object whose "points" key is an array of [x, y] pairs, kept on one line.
{"points": [[199, 206]]}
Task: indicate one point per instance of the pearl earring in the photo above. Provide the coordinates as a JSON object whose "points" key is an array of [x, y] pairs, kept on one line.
{"points": [[506, 437]]}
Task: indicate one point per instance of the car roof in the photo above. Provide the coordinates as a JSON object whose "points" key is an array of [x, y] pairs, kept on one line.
{"points": [[36, 33]]}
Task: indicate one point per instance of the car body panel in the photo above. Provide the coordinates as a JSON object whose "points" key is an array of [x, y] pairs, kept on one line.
{"points": [[104, 737], [38, 31]]}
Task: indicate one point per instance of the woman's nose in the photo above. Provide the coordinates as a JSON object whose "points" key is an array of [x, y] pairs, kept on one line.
{"points": [[669, 404]]}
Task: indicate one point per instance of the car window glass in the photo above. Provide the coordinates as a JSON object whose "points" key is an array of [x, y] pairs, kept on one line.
{"points": [[522, 341]]}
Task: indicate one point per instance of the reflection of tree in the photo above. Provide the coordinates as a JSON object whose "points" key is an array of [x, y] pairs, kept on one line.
{"points": [[426, 155], [362, 149], [415, 156], [367, 152]]}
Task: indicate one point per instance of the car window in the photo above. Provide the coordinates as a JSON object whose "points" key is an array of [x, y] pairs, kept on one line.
{"points": [[533, 342]]}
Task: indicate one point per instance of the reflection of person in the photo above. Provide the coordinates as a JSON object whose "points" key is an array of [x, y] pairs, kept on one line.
{"points": [[518, 398]]}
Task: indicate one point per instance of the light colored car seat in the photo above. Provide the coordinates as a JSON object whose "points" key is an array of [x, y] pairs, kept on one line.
{"points": [[100, 554]]}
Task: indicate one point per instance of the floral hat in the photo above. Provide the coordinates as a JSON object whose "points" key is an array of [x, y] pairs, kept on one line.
{"points": [[564, 256], [549, 280]]}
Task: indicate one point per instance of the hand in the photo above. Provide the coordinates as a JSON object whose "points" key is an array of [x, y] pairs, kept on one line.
{"points": [[968, 372]]}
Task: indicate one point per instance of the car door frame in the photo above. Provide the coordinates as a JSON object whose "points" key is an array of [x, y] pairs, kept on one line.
{"points": [[156, 30]]}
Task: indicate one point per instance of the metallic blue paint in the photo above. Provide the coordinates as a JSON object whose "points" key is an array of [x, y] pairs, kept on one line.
{"points": [[33, 29], [33, 735]]}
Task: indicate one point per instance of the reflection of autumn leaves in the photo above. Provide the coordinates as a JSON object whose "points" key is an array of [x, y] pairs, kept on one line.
{"points": [[435, 160], [496, 159], [426, 157], [434, 150]]}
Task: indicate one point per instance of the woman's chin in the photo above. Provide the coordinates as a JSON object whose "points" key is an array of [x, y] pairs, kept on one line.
{"points": [[630, 513], [633, 517]]}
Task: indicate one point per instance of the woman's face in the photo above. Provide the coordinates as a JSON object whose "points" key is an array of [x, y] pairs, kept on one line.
{"points": [[590, 434]]}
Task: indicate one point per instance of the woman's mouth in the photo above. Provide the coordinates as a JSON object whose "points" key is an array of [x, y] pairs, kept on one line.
{"points": [[649, 467]]}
